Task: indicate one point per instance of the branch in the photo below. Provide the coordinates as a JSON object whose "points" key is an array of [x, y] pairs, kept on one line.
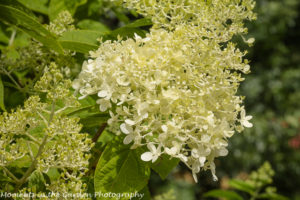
{"points": [[99, 132], [33, 139], [12, 79], [30, 151], [12, 37], [40, 151], [10, 174]]}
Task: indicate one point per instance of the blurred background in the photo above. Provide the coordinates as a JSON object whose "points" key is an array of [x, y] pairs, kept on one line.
{"points": [[272, 92]]}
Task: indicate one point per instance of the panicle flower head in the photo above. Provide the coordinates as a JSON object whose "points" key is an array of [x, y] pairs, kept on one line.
{"points": [[42, 133], [175, 89]]}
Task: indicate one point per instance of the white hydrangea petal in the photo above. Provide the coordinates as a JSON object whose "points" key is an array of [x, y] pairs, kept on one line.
{"points": [[249, 117], [152, 147], [102, 93], [243, 113], [210, 120], [171, 151], [76, 84], [103, 107], [202, 161], [213, 171], [250, 40], [164, 128], [137, 37], [158, 149], [247, 124], [147, 156], [205, 138], [128, 139], [82, 97], [195, 153], [183, 158], [154, 158], [222, 152], [126, 128], [195, 177], [129, 122]]}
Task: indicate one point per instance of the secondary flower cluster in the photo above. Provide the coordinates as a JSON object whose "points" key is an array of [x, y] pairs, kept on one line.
{"points": [[41, 136], [175, 89]]}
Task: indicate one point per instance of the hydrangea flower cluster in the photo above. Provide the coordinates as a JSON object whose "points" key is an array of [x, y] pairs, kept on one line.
{"points": [[40, 135], [218, 20], [63, 23], [175, 89]]}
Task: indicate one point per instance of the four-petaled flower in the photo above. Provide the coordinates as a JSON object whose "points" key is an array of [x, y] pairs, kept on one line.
{"points": [[153, 154], [245, 119]]}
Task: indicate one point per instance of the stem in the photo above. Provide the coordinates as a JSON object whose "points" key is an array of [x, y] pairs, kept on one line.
{"points": [[99, 132], [253, 197], [81, 109], [10, 174], [62, 109], [30, 151], [33, 139], [97, 152], [40, 151], [32, 166], [13, 80], [12, 37], [52, 112]]}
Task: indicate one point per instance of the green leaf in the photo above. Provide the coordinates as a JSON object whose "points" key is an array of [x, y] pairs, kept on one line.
{"points": [[5, 178], [2, 106], [164, 165], [242, 186], [129, 30], [15, 98], [140, 23], [77, 46], [53, 174], [17, 5], [106, 137], [84, 41], [88, 24], [57, 6], [120, 169], [81, 41], [3, 37], [121, 16], [124, 32], [93, 7], [88, 107], [72, 5], [145, 193], [94, 120], [84, 36], [36, 5], [36, 181], [272, 196], [224, 194], [17, 15]]}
